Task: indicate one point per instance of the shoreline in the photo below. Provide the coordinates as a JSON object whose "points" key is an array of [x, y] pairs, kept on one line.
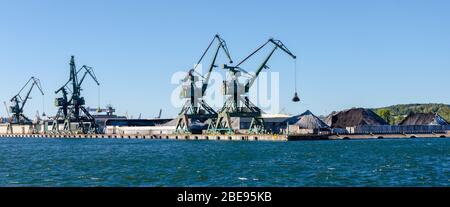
{"points": [[234, 137]]}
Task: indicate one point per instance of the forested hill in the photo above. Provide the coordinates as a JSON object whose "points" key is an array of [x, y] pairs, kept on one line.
{"points": [[395, 114]]}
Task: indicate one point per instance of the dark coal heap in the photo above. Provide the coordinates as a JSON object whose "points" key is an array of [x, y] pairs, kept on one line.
{"points": [[354, 117]]}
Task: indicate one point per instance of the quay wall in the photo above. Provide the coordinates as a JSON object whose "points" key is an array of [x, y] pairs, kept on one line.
{"points": [[28, 131], [388, 136], [398, 129], [241, 137], [234, 137]]}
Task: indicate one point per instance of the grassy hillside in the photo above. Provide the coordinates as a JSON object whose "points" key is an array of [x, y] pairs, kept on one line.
{"points": [[395, 114]]}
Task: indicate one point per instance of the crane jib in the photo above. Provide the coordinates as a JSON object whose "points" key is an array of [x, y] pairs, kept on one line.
{"points": [[277, 44]]}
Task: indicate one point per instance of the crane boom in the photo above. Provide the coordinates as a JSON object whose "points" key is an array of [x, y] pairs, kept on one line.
{"points": [[36, 82], [88, 71], [221, 44], [277, 45], [26, 97]]}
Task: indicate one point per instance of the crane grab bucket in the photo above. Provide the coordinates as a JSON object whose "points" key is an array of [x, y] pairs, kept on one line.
{"points": [[296, 98]]}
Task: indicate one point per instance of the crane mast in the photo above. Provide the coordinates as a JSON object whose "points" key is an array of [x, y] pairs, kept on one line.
{"points": [[221, 45], [237, 103], [195, 107]]}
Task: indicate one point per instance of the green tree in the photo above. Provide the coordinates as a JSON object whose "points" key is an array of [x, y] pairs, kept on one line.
{"points": [[399, 112], [385, 114]]}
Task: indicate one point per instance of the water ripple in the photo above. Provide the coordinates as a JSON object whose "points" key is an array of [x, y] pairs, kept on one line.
{"points": [[67, 162]]}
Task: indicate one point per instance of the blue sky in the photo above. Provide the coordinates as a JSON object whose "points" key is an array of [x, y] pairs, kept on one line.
{"points": [[351, 53]]}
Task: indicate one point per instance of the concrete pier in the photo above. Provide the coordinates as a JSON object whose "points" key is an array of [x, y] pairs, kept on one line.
{"points": [[235, 137], [263, 137], [388, 136]]}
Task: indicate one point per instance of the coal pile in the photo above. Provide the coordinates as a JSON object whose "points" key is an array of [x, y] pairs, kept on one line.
{"points": [[354, 117], [424, 119], [307, 120]]}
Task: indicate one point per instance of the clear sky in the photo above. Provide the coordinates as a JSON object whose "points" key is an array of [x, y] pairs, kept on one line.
{"points": [[351, 53]]}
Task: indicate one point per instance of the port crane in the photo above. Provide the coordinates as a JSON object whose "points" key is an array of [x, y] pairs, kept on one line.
{"points": [[195, 107], [237, 103], [18, 103], [71, 112]]}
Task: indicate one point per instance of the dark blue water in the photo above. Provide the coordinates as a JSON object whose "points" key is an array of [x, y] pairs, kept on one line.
{"points": [[95, 162]]}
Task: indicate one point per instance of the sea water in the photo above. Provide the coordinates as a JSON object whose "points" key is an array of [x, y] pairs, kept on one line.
{"points": [[114, 162]]}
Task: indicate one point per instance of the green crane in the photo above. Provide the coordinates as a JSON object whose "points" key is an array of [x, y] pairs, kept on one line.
{"points": [[195, 108], [237, 103], [18, 103], [72, 110]]}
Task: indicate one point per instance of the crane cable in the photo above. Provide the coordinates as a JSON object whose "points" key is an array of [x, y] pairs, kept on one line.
{"points": [[43, 106], [98, 104], [295, 74], [296, 98]]}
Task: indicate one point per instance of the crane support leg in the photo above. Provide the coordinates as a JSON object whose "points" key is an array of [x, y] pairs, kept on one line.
{"points": [[182, 124], [257, 126], [223, 124], [9, 129]]}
